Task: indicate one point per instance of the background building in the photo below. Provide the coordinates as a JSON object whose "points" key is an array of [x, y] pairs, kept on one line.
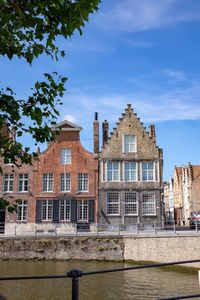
{"points": [[186, 192]]}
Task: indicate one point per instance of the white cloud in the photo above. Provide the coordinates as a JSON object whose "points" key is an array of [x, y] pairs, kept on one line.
{"points": [[142, 15], [152, 105], [70, 118], [175, 75]]}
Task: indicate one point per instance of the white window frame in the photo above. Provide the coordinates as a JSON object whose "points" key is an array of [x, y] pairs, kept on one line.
{"points": [[65, 156], [65, 210], [22, 211], [150, 203], [130, 202], [129, 171], [65, 182], [9, 179], [47, 210], [113, 203], [83, 182], [82, 211], [147, 170], [129, 143], [23, 178], [47, 182], [113, 171]]}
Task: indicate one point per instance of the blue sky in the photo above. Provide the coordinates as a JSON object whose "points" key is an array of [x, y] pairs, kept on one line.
{"points": [[143, 52]]}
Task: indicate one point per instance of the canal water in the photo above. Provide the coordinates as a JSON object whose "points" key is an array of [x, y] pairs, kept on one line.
{"points": [[135, 284]]}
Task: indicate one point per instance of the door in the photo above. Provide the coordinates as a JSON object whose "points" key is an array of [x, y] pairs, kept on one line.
{"points": [[2, 221]]}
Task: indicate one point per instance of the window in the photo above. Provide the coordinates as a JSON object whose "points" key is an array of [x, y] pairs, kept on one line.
{"points": [[113, 171], [7, 161], [83, 182], [65, 210], [130, 171], [23, 183], [112, 203], [148, 203], [22, 209], [65, 156], [47, 210], [65, 182], [8, 182], [129, 143], [131, 203], [82, 211], [147, 171], [47, 183]]}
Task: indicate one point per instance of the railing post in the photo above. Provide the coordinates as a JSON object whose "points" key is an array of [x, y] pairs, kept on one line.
{"points": [[196, 227], [155, 231], [174, 227], [137, 228], [74, 275]]}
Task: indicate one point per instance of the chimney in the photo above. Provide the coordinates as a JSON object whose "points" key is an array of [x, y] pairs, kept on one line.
{"points": [[191, 175], [105, 127], [96, 133], [152, 132]]}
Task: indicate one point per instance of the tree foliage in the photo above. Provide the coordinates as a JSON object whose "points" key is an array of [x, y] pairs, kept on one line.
{"points": [[28, 29]]}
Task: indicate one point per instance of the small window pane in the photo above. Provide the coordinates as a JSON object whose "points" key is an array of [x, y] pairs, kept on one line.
{"points": [[131, 203], [47, 182], [23, 183], [65, 210], [8, 182], [65, 182], [47, 210], [82, 211], [148, 203], [65, 156], [112, 203], [22, 209], [113, 171], [130, 171], [148, 171], [83, 182], [129, 143]]}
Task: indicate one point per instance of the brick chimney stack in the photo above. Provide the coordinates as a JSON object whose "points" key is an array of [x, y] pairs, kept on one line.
{"points": [[152, 132], [105, 127], [96, 133]]}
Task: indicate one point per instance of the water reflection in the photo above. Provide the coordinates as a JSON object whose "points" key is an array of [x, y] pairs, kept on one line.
{"points": [[135, 284]]}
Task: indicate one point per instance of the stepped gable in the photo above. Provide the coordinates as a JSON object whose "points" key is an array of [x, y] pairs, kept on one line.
{"points": [[130, 114], [196, 172], [178, 171]]}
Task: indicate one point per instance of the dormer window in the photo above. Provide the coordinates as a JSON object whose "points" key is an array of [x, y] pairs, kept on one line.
{"points": [[65, 156], [129, 144]]}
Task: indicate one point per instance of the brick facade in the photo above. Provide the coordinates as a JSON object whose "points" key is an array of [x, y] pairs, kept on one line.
{"points": [[75, 201]]}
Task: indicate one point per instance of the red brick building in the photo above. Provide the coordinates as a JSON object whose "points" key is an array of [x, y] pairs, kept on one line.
{"points": [[59, 188]]}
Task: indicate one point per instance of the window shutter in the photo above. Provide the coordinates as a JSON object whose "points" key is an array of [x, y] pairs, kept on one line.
{"points": [[91, 211], [56, 211], [73, 210], [38, 216]]}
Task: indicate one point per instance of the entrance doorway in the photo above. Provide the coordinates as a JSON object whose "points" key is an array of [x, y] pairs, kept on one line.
{"points": [[2, 221]]}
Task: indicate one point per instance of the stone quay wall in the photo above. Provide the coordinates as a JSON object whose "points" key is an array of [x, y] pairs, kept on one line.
{"points": [[136, 248]]}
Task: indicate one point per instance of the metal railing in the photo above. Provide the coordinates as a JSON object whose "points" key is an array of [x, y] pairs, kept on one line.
{"points": [[67, 229], [76, 274]]}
